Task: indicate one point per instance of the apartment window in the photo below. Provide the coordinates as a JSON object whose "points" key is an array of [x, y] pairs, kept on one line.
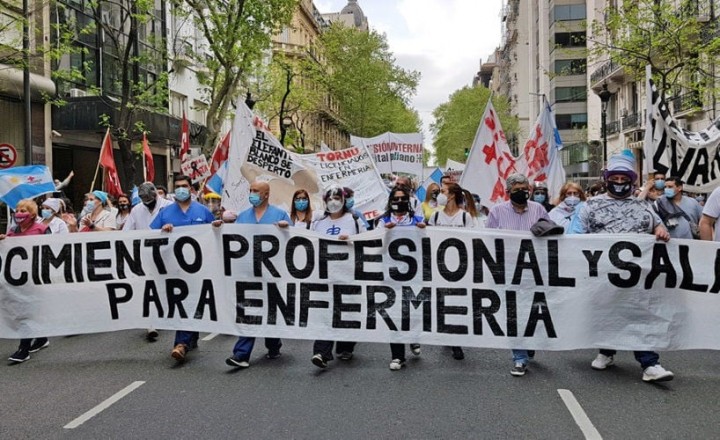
{"points": [[571, 67], [570, 94], [178, 104], [571, 121], [568, 12], [570, 39]]}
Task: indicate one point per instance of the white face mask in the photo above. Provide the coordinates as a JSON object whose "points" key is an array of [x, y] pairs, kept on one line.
{"points": [[334, 206], [442, 199], [572, 200]]}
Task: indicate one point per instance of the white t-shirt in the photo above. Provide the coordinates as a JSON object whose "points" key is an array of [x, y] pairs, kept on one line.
{"points": [[345, 225], [58, 226], [712, 209], [460, 219], [140, 216]]}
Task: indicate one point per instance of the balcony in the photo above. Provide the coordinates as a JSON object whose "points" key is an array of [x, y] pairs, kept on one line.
{"points": [[613, 127], [604, 71], [631, 121], [686, 102]]}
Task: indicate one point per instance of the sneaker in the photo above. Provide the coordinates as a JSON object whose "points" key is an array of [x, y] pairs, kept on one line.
{"points": [[19, 356], [415, 349], [152, 334], [396, 364], [235, 361], [319, 361], [519, 369], [458, 353], [601, 362], [179, 352], [657, 373], [38, 345], [273, 354], [345, 355]]}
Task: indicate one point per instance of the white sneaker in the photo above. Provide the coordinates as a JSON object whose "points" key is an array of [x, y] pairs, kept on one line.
{"points": [[396, 364], [601, 362], [657, 373], [415, 349]]}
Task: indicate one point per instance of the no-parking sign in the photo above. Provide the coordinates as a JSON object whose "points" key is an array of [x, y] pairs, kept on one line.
{"points": [[8, 156]]}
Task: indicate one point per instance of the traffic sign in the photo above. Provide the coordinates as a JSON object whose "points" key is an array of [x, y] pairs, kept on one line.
{"points": [[8, 156]]}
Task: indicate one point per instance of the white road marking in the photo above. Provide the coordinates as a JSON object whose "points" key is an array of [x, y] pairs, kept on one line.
{"points": [[582, 420], [104, 405], [210, 337]]}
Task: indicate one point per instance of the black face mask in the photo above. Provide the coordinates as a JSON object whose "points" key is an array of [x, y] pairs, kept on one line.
{"points": [[151, 205], [619, 190], [403, 206], [520, 197], [435, 194], [123, 207]]}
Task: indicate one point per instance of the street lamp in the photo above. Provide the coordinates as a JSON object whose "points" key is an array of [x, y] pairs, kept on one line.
{"points": [[604, 96]]}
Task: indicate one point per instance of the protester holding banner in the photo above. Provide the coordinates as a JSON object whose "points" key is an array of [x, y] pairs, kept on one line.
{"points": [[517, 214], [26, 224], [98, 218], [451, 198], [408, 183], [571, 196], [680, 214], [184, 212], [301, 212], [123, 206], [52, 210], [399, 213], [617, 212], [338, 222], [261, 213], [430, 204]]}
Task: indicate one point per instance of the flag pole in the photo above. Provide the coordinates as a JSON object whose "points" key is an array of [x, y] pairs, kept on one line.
{"points": [[144, 159], [97, 169]]}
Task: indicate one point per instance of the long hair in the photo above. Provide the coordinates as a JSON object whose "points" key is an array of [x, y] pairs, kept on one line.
{"points": [[457, 191], [470, 205], [398, 188], [293, 211], [429, 192]]}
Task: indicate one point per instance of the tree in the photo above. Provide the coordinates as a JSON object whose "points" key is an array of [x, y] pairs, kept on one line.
{"points": [[665, 34], [372, 91], [457, 121], [237, 34]]}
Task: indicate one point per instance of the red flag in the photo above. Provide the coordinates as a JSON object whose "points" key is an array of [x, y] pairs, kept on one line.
{"points": [[107, 161], [220, 155], [184, 139], [149, 163]]}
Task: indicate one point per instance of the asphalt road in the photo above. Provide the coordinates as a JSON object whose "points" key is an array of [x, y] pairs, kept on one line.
{"points": [[435, 397]]}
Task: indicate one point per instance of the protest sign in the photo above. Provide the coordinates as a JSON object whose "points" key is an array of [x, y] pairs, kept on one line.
{"points": [[394, 153], [196, 168]]}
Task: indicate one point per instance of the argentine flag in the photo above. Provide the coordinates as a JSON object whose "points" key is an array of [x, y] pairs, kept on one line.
{"points": [[25, 182]]}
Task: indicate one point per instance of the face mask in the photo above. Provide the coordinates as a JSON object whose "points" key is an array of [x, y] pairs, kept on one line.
{"points": [[124, 207], [21, 217], [520, 197], [435, 195], [619, 190], [572, 200], [301, 204], [349, 203], [90, 206], [334, 206], [442, 199], [46, 213], [150, 205], [540, 198], [255, 199], [659, 184], [182, 194], [403, 206], [700, 199], [669, 193]]}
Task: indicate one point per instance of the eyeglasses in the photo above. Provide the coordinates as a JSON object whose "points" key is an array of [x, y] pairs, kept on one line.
{"points": [[400, 199]]}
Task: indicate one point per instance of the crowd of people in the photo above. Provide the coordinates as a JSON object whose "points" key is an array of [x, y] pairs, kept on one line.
{"points": [[660, 207]]}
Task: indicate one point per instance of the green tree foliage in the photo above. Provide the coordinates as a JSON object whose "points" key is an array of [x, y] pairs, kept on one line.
{"points": [[457, 121], [238, 33], [372, 91], [665, 34]]}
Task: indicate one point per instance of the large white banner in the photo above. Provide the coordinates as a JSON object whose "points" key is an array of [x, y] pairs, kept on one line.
{"points": [[441, 286], [395, 152]]}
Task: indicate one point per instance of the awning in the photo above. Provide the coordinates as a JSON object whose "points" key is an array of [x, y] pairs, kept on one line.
{"points": [[11, 84]]}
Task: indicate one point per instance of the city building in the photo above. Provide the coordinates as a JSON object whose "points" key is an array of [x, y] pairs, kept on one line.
{"points": [[351, 15]]}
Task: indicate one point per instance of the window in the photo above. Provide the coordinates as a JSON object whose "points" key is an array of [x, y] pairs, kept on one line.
{"points": [[568, 12], [570, 94], [571, 121], [571, 67], [178, 104], [570, 39]]}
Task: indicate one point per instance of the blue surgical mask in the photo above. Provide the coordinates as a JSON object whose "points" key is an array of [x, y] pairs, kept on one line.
{"points": [[540, 198], [350, 202], [46, 213], [255, 199], [90, 206], [659, 184], [182, 194], [301, 204], [669, 193], [572, 200]]}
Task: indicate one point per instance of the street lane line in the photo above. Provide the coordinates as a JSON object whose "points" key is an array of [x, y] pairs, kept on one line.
{"points": [[104, 405], [210, 337], [582, 420]]}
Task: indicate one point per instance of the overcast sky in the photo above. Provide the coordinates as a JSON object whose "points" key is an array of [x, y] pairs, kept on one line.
{"points": [[442, 39]]}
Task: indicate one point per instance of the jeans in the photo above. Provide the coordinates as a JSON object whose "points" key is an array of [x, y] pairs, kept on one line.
{"points": [[185, 338], [244, 346], [521, 357], [325, 348], [646, 358], [397, 351]]}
